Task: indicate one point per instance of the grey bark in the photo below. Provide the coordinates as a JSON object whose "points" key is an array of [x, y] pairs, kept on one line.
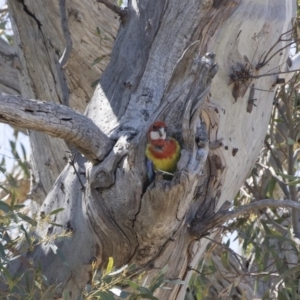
{"points": [[56, 120], [161, 67], [9, 82], [39, 45]]}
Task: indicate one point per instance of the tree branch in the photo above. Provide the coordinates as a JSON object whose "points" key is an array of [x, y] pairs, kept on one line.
{"points": [[223, 216], [289, 105], [58, 121]]}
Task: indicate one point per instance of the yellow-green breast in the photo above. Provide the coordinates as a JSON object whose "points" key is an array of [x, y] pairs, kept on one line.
{"points": [[164, 158]]}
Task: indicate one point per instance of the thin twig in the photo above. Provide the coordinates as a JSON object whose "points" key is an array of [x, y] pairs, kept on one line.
{"points": [[268, 74], [282, 115], [280, 39], [234, 274], [257, 89], [116, 9], [281, 183], [236, 255], [221, 217], [276, 159], [293, 191], [259, 66], [278, 227], [252, 190], [283, 64]]}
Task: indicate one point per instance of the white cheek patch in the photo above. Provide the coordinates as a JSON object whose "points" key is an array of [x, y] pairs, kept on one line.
{"points": [[158, 135], [154, 135]]}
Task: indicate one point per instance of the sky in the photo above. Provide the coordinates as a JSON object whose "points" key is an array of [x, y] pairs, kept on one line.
{"points": [[6, 134]]}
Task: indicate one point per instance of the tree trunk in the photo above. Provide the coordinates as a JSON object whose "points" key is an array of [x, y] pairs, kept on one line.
{"points": [[40, 44], [163, 66]]}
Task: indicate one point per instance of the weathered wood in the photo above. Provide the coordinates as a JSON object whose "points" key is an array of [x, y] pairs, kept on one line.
{"points": [[164, 66], [58, 121], [248, 32], [39, 45]]}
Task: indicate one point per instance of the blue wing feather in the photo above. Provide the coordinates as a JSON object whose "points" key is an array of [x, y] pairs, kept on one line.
{"points": [[150, 170]]}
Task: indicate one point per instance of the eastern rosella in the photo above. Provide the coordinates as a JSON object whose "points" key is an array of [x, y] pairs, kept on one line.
{"points": [[163, 151]]}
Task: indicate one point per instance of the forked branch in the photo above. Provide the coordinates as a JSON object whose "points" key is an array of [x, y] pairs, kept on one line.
{"points": [[58, 121], [267, 58], [223, 216]]}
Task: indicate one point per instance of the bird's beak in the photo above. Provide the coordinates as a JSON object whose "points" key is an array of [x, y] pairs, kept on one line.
{"points": [[161, 131]]}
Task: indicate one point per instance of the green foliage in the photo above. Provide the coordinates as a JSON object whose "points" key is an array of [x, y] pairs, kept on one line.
{"points": [[270, 253], [15, 183], [125, 283], [5, 33], [33, 281], [16, 232], [268, 259], [105, 284]]}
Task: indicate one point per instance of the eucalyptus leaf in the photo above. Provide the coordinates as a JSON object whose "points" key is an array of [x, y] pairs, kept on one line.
{"points": [[56, 211], [110, 265], [4, 206], [27, 219]]}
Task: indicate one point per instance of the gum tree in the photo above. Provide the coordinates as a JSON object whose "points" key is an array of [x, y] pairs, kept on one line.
{"points": [[209, 69]]}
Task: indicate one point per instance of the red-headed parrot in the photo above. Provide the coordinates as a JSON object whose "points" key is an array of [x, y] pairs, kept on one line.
{"points": [[162, 151]]}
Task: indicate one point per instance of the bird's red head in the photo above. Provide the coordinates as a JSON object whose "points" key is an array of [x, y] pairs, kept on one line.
{"points": [[157, 133]]}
